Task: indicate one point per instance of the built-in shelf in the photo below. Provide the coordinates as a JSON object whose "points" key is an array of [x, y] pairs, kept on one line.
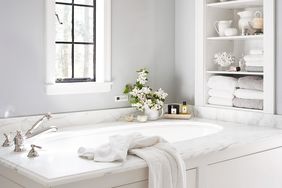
{"points": [[237, 4], [232, 108], [235, 73], [237, 37]]}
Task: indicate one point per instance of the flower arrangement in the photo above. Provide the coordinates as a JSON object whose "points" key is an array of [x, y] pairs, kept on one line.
{"points": [[224, 59], [140, 95]]}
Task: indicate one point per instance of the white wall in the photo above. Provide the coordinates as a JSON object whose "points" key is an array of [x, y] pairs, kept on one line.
{"points": [[143, 36]]}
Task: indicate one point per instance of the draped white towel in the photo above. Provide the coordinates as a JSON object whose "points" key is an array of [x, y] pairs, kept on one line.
{"points": [[249, 94], [224, 83], [166, 167]]}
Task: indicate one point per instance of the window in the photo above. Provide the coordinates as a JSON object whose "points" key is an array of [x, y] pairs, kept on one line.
{"points": [[75, 40], [78, 46]]}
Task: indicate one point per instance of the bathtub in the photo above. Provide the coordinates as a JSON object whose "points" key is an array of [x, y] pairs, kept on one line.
{"points": [[174, 131]]}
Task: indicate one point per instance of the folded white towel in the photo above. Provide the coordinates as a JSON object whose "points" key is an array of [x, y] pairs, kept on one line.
{"points": [[255, 63], [253, 58], [251, 82], [249, 94], [220, 101], [221, 93], [166, 167], [224, 83]]}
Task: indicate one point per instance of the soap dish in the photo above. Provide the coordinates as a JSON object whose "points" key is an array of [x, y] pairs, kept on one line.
{"points": [[177, 116]]}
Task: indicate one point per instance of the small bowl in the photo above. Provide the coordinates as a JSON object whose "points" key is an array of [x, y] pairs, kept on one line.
{"points": [[230, 32]]}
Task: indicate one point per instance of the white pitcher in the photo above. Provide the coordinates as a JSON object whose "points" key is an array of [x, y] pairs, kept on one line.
{"points": [[220, 26]]}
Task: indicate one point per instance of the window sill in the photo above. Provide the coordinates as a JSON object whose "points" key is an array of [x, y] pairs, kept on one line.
{"points": [[78, 88]]}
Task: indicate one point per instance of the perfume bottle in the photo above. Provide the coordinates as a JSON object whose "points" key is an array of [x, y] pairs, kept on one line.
{"points": [[184, 108]]}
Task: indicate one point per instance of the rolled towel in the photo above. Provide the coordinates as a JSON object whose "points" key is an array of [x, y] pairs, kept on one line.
{"points": [[248, 94], [220, 93], [253, 58], [254, 63], [251, 82], [224, 83], [220, 101], [254, 69], [248, 103]]}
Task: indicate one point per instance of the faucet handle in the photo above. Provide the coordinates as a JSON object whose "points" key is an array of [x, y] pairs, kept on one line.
{"points": [[33, 153], [7, 141]]}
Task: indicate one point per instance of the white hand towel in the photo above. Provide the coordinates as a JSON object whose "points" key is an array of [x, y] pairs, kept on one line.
{"points": [[253, 58], [166, 167], [220, 101], [249, 94], [255, 63], [220, 93], [224, 83]]}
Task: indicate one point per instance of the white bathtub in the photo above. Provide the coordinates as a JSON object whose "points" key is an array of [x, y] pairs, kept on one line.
{"points": [[58, 158], [92, 137]]}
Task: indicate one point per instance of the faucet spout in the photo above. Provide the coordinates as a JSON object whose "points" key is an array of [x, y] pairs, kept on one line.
{"points": [[31, 132]]}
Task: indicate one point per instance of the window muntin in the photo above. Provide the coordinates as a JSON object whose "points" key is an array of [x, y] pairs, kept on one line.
{"points": [[76, 40]]}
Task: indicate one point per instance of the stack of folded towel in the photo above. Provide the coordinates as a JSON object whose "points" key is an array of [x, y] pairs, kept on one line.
{"points": [[221, 90], [254, 61], [250, 93]]}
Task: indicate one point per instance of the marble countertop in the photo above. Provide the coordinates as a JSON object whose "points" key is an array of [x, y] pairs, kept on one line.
{"points": [[62, 165]]}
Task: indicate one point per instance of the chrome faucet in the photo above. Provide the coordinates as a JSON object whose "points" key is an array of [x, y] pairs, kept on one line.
{"points": [[32, 131]]}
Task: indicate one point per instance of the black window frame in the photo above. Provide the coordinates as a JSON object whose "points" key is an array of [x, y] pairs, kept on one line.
{"points": [[73, 79]]}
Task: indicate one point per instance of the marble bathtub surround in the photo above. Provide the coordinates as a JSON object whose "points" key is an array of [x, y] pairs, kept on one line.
{"points": [[230, 136], [11, 125]]}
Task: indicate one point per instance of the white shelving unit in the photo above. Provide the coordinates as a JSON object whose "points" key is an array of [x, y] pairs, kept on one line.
{"points": [[239, 4], [208, 43], [237, 37]]}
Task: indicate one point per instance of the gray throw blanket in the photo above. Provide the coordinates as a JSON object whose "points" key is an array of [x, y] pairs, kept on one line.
{"points": [[248, 103]]}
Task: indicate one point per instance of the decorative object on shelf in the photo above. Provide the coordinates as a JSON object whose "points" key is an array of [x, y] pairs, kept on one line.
{"points": [[221, 26], [184, 108], [173, 109], [224, 60], [230, 32], [129, 117], [245, 18], [143, 98], [142, 118], [257, 23]]}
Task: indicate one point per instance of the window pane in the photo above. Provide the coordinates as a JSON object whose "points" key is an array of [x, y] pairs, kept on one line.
{"points": [[84, 2], [63, 61], [63, 31], [83, 28], [64, 1], [83, 59]]}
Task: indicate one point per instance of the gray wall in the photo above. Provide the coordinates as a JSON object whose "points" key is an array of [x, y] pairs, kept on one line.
{"points": [[185, 49], [143, 36], [279, 56]]}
